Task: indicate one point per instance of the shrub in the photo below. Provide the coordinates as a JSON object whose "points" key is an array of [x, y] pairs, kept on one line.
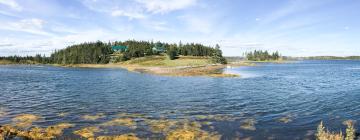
{"points": [[323, 134]]}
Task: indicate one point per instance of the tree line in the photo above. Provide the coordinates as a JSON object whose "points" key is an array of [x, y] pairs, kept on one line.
{"points": [[145, 48], [100, 52], [260, 55], [37, 59], [85, 53], [332, 58]]}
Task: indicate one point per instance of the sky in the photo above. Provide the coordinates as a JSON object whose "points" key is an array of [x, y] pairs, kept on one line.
{"points": [[293, 27]]}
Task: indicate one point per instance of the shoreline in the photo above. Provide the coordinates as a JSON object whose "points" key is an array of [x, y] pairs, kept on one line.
{"points": [[208, 70], [214, 70], [159, 65]]}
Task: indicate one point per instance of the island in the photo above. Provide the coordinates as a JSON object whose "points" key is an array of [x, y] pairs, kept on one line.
{"points": [[190, 59]]}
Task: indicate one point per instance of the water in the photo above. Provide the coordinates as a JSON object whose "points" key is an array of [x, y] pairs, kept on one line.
{"points": [[305, 91]]}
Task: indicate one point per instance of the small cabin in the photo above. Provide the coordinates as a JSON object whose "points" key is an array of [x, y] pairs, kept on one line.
{"points": [[158, 48], [119, 48]]}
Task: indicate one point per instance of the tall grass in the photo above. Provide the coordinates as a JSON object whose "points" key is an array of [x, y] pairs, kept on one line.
{"points": [[323, 134]]}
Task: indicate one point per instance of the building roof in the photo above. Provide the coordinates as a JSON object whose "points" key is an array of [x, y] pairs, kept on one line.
{"points": [[116, 48]]}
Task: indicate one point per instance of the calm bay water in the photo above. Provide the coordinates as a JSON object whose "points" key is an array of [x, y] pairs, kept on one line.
{"points": [[304, 92]]}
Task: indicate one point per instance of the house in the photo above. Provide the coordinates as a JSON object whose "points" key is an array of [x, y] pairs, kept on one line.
{"points": [[158, 48], [119, 48]]}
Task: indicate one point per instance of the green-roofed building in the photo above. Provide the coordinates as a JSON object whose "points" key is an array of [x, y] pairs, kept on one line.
{"points": [[119, 48]]}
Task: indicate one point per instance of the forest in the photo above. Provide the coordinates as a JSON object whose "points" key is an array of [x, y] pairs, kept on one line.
{"points": [[260, 55], [101, 52]]}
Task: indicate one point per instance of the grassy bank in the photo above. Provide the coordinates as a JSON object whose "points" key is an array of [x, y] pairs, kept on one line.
{"points": [[5, 62], [23, 62]]}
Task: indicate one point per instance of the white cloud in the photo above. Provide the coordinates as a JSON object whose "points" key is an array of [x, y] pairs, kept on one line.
{"points": [[46, 45], [292, 7], [33, 26], [30, 23], [197, 24], [130, 14], [12, 4], [165, 6], [157, 25]]}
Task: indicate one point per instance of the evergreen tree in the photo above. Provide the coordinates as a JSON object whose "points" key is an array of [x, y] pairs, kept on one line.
{"points": [[172, 52], [217, 56]]}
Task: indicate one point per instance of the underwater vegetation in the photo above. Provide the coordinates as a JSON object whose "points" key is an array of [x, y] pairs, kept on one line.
{"points": [[191, 131], [121, 122], [25, 120], [160, 126], [286, 119], [129, 136], [93, 117], [63, 114], [248, 124], [197, 127], [217, 117], [87, 132], [22, 127]]}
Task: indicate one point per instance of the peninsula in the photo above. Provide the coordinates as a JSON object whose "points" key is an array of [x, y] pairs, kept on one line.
{"points": [[190, 59]]}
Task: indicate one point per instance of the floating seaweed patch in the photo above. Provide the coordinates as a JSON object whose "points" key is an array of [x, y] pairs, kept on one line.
{"points": [[88, 132], [57, 130], [217, 117], [2, 113], [7, 131], [160, 126], [121, 122], [25, 120], [93, 117], [201, 117], [248, 124], [63, 114], [35, 132], [286, 119], [129, 136], [191, 131], [132, 115]]}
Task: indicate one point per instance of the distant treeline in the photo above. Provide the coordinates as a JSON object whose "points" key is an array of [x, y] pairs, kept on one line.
{"points": [[27, 59], [332, 58], [100, 52], [259, 55]]}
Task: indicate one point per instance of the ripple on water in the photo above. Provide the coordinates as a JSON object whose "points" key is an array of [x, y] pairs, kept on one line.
{"points": [[242, 73], [312, 91]]}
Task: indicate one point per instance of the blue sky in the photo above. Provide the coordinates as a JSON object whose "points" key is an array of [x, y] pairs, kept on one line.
{"points": [[293, 27]]}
